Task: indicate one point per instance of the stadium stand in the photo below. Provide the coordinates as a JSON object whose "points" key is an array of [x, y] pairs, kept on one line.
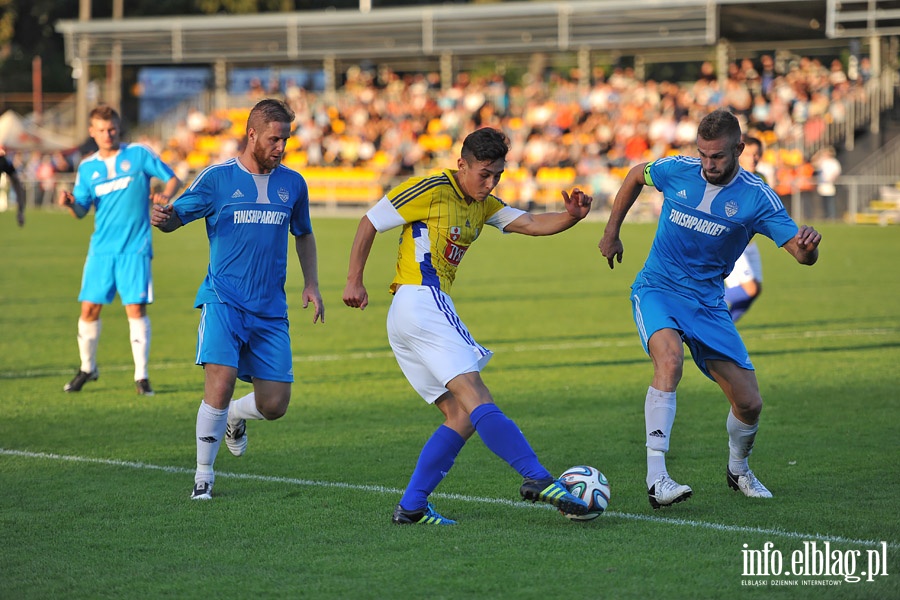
{"points": [[583, 124]]}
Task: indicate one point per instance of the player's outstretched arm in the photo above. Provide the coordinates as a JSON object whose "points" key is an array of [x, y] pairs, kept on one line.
{"points": [[163, 217], [805, 245], [309, 265], [67, 200], [610, 245], [578, 205], [355, 294]]}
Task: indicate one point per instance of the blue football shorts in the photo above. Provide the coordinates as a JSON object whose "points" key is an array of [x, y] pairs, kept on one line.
{"points": [[258, 347], [709, 333], [430, 341], [105, 274]]}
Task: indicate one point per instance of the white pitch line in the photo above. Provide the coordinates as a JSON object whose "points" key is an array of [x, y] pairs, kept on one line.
{"points": [[475, 499], [512, 346]]}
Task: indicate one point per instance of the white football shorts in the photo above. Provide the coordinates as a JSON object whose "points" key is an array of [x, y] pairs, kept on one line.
{"points": [[748, 267], [430, 341]]}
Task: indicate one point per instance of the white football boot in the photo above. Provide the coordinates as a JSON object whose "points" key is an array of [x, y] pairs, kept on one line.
{"points": [[749, 484], [665, 492], [236, 436]]}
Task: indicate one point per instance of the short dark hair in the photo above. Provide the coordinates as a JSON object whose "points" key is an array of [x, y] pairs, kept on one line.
{"points": [[749, 140], [718, 124], [268, 111], [104, 112], [485, 144]]}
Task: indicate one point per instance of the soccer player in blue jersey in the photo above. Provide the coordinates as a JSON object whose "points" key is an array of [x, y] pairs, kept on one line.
{"points": [[744, 284], [250, 203], [115, 180], [440, 217], [711, 209]]}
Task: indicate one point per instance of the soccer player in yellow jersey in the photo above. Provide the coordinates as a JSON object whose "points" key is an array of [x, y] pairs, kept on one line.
{"points": [[440, 217]]}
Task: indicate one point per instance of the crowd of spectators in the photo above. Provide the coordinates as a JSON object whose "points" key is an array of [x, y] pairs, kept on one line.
{"points": [[397, 125]]}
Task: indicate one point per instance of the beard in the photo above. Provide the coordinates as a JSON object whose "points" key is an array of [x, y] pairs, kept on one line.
{"points": [[265, 160], [722, 177]]}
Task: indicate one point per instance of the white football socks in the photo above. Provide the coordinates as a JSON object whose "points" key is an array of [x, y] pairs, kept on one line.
{"points": [[245, 408], [211, 424], [659, 416], [740, 443], [88, 337], [140, 345]]}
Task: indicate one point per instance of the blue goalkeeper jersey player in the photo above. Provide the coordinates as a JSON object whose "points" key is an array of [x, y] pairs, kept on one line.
{"points": [[711, 209]]}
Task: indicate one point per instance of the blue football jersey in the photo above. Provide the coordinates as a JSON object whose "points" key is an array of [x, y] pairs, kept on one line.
{"points": [[704, 228], [119, 189], [248, 218]]}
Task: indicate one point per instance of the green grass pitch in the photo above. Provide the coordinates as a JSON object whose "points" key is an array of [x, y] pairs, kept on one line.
{"points": [[95, 486]]}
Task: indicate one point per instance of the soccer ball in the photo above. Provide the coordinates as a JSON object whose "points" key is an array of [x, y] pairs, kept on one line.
{"points": [[590, 485]]}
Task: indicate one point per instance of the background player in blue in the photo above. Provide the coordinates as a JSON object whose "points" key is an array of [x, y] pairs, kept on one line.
{"points": [[711, 209], [441, 216], [250, 203], [115, 180]]}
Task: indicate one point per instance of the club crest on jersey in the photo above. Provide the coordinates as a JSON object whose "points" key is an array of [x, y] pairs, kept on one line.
{"points": [[283, 194], [454, 253], [731, 208], [454, 234], [126, 166]]}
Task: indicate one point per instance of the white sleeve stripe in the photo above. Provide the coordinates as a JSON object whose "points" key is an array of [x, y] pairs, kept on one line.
{"points": [[504, 217], [384, 216]]}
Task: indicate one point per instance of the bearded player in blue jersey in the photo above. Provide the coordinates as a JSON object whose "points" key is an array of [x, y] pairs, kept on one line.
{"points": [[711, 209], [250, 203], [115, 180]]}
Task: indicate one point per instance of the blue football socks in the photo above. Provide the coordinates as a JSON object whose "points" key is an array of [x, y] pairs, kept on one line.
{"points": [[437, 456], [738, 301], [503, 438]]}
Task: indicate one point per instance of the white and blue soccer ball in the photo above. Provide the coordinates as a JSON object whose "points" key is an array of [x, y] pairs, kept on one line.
{"points": [[590, 485]]}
